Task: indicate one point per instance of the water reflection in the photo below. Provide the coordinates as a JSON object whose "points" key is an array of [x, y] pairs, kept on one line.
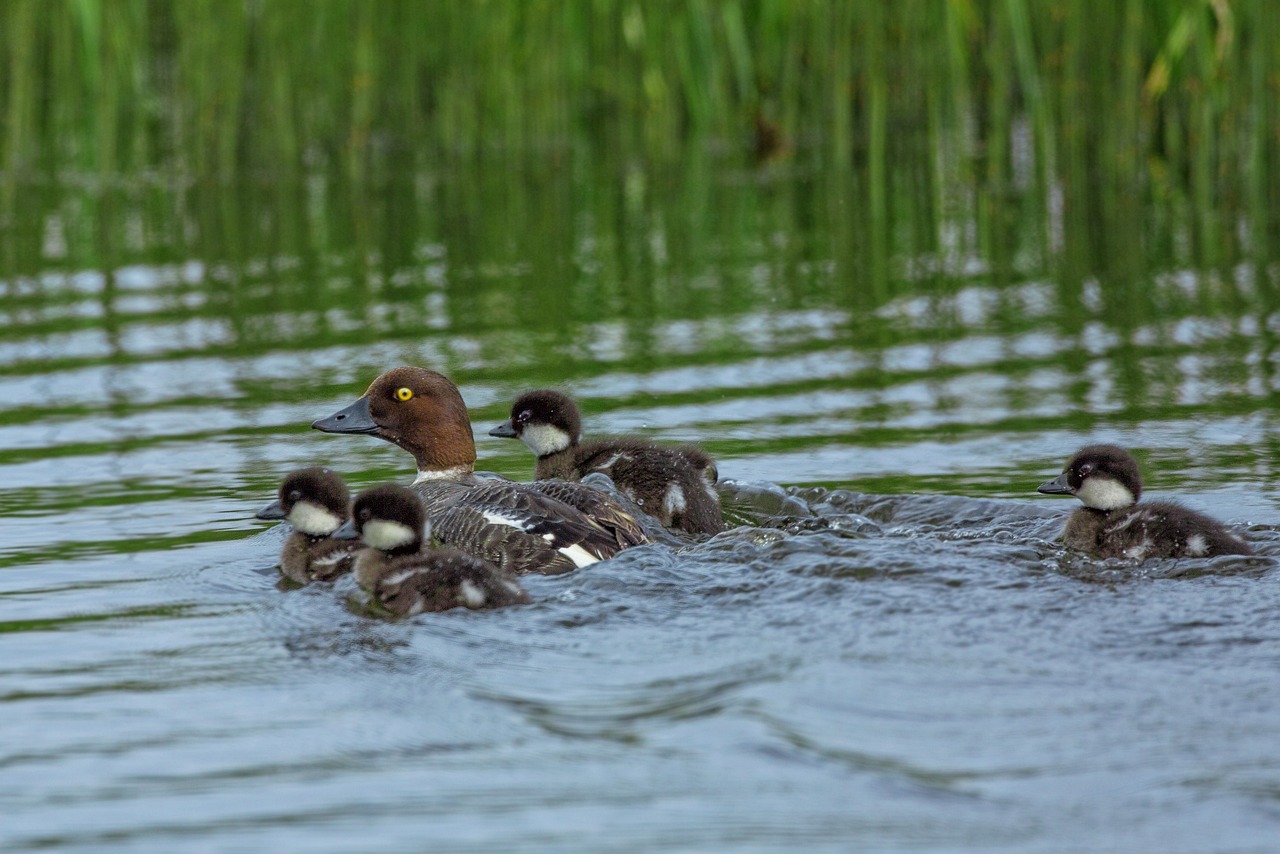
{"points": [[897, 629]]}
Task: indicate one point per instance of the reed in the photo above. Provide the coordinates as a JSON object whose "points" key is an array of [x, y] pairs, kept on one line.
{"points": [[1116, 130]]}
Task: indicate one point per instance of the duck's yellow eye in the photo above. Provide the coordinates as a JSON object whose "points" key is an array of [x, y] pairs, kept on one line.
{"points": [[404, 393]]}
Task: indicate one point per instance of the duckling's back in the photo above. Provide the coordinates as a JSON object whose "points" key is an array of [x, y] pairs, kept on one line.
{"points": [[1152, 529]]}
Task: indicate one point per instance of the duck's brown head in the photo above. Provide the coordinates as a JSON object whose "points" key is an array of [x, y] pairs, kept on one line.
{"points": [[417, 409]]}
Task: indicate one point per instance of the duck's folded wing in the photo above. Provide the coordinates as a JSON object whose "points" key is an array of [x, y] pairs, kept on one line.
{"points": [[600, 506], [522, 530]]}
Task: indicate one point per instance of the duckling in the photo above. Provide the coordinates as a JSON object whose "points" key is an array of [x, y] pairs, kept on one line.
{"points": [[314, 501], [1113, 524], [405, 578], [674, 484], [515, 526]]}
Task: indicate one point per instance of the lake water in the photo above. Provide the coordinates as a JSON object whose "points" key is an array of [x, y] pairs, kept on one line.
{"points": [[888, 652]]}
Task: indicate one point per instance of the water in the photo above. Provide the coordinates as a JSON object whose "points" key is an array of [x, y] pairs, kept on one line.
{"points": [[888, 652]]}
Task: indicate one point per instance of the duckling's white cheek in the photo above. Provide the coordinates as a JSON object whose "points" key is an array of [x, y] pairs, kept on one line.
{"points": [[470, 595], [312, 519], [384, 535], [544, 439], [1103, 493]]}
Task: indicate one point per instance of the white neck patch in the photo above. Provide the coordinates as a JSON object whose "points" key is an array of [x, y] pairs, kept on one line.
{"points": [[384, 535], [544, 439], [313, 520], [455, 473], [1104, 493]]}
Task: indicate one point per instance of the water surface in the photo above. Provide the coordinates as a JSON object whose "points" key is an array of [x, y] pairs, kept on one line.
{"points": [[889, 651]]}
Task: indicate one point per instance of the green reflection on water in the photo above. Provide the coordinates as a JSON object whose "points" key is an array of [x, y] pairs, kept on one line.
{"points": [[802, 225]]}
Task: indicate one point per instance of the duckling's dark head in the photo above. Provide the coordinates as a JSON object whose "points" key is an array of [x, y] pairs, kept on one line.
{"points": [[1103, 477], [389, 518], [313, 500], [545, 420], [419, 410]]}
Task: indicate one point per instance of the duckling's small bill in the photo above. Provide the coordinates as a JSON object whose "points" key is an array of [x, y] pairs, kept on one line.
{"points": [[274, 510], [1057, 486]]}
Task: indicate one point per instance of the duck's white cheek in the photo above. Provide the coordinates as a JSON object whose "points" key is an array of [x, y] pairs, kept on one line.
{"points": [[312, 519], [384, 535], [1103, 493], [544, 439]]}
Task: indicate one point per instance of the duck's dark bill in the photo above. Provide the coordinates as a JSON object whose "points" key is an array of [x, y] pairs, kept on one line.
{"points": [[347, 531], [504, 431], [1057, 486], [271, 511], [354, 419]]}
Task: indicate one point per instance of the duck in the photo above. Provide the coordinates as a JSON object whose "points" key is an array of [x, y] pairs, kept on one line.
{"points": [[514, 526], [1113, 523], [314, 501], [406, 579], [676, 485]]}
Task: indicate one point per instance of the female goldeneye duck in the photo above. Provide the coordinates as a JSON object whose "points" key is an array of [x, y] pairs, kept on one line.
{"points": [[406, 579], [674, 484], [314, 501], [1113, 524], [512, 525]]}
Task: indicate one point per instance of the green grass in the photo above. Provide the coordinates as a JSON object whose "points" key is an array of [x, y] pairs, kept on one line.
{"points": [[1077, 139]]}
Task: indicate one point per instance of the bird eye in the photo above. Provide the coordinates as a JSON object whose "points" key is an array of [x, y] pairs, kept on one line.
{"points": [[364, 514], [295, 495], [1086, 469], [404, 393], [525, 416]]}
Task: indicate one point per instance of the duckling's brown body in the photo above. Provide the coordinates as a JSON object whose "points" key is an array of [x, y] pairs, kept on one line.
{"points": [[675, 485], [435, 580], [1148, 530], [404, 577], [1114, 523], [667, 483], [304, 559], [314, 501]]}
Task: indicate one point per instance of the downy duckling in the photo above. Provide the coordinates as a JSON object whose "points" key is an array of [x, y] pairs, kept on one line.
{"points": [[512, 525], [405, 578], [1113, 524], [314, 501], [676, 485]]}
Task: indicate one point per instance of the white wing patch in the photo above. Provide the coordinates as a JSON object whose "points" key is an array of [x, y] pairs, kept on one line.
{"points": [[1139, 551], [1126, 522], [609, 463], [494, 517], [330, 559], [398, 577], [580, 556], [384, 535], [673, 502], [1196, 545], [470, 595], [313, 520]]}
